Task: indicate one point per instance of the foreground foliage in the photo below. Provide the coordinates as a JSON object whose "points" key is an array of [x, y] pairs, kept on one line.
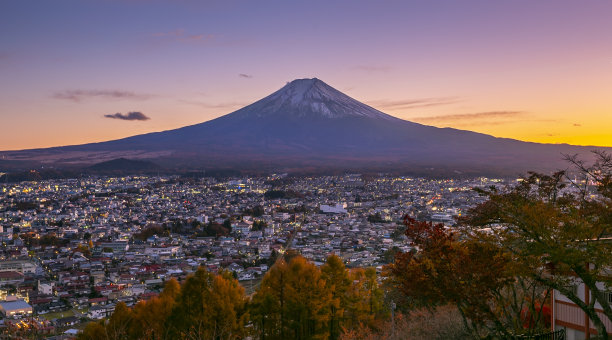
{"points": [[491, 277], [501, 264], [296, 300], [479, 278], [206, 306], [440, 323], [558, 229], [299, 300]]}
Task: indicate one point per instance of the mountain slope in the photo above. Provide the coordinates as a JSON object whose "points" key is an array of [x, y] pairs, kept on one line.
{"points": [[122, 164], [309, 123]]}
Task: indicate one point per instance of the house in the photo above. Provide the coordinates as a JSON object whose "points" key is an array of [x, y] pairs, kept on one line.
{"points": [[15, 308], [97, 312], [98, 301], [22, 266], [45, 288], [568, 316], [242, 227], [10, 278], [117, 246], [67, 321]]}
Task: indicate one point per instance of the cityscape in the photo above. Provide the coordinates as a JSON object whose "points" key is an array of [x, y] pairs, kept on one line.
{"points": [[74, 248]]}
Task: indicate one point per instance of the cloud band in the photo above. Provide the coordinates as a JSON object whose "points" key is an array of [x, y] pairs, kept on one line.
{"points": [[129, 116]]}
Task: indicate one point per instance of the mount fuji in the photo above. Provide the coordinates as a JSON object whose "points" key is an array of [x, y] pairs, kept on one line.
{"points": [[308, 124]]}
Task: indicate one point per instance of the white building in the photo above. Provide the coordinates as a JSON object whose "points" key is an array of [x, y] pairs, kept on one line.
{"points": [[567, 315], [338, 208], [22, 266], [45, 288], [11, 309], [97, 312]]}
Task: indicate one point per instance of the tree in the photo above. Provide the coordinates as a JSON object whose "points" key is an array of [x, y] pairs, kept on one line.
{"points": [[171, 291], [292, 301], [149, 317], [149, 231], [441, 323], [118, 325], [389, 255], [210, 307], [207, 306], [376, 218], [93, 331], [227, 224], [268, 306], [337, 281], [475, 275], [556, 226], [259, 225], [84, 250], [365, 299], [216, 229]]}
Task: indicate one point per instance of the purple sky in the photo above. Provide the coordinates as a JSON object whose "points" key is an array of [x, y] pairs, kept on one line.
{"points": [[83, 71]]}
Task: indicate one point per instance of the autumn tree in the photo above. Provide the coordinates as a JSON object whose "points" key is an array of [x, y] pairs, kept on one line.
{"points": [[208, 307], [84, 250], [308, 300], [440, 323], [297, 299], [118, 326], [365, 299], [557, 227], [149, 317], [268, 306], [93, 331], [292, 302], [337, 281], [479, 278]]}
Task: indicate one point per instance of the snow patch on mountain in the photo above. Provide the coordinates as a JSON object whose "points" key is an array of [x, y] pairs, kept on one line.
{"points": [[310, 98]]}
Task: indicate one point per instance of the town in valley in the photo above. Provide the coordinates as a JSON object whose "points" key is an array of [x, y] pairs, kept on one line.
{"points": [[74, 248]]}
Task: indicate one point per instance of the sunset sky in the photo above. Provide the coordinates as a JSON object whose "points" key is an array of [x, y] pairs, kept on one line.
{"points": [[78, 71]]}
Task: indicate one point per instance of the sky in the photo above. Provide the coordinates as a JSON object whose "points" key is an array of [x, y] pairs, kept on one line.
{"points": [[80, 71]]}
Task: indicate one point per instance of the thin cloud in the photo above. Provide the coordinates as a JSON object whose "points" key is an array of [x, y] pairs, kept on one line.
{"points": [[471, 116], [244, 75], [135, 115], [79, 95], [488, 118], [180, 35], [412, 103]]}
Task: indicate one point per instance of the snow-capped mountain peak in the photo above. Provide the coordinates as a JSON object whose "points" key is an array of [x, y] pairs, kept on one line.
{"points": [[310, 98]]}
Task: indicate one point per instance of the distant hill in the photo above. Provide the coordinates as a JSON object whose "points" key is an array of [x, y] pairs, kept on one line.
{"points": [[38, 175], [309, 127], [124, 165], [115, 167]]}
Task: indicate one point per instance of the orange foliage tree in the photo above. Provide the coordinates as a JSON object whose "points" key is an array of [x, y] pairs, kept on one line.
{"points": [[298, 300], [557, 227], [479, 278], [206, 306]]}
